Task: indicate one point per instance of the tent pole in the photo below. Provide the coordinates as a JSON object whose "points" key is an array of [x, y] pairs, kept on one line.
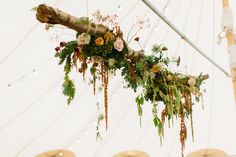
{"points": [[159, 14], [231, 42]]}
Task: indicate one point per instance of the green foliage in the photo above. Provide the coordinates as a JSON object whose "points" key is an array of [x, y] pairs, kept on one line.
{"points": [[83, 20], [150, 73], [34, 9], [140, 101], [65, 54], [66, 51], [69, 90], [156, 48], [157, 123]]}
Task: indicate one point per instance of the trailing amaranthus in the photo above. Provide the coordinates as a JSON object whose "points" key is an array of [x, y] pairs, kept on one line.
{"points": [[183, 134], [106, 95]]}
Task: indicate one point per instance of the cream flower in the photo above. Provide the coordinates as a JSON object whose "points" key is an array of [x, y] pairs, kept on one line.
{"points": [[83, 39], [152, 75], [192, 81], [169, 77], [118, 44], [161, 66], [98, 15]]}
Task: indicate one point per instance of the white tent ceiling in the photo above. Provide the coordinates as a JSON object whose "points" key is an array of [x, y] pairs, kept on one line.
{"points": [[34, 116]]}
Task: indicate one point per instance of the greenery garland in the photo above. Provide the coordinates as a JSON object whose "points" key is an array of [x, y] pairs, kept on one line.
{"points": [[109, 52]]}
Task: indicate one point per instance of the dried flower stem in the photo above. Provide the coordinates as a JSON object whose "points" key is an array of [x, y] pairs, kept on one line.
{"points": [[84, 67], [106, 95], [130, 32], [132, 72], [84, 75], [134, 35], [201, 96], [192, 128], [191, 117], [189, 105], [94, 82], [183, 134], [102, 72], [163, 113]]}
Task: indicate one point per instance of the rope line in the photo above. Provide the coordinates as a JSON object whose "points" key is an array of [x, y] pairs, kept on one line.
{"points": [[175, 14], [11, 52], [198, 33], [50, 125], [172, 143], [20, 79], [115, 91], [19, 43], [132, 8], [173, 27], [4, 126], [150, 34], [212, 76], [172, 18], [114, 130], [146, 127]]}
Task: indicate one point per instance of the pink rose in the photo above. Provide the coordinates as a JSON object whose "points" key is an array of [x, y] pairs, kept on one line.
{"points": [[118, 44]]}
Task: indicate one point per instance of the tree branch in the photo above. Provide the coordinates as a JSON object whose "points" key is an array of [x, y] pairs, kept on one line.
{"points": [[47, 14]]}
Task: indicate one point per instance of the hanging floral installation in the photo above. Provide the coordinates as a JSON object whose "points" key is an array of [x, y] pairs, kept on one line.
{"points": [[100, 48]]}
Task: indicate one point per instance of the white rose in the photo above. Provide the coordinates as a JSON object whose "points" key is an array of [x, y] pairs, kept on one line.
{"points": [[83, 39], [161, 65]]}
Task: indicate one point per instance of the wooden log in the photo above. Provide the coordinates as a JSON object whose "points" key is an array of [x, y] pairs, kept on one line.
{"points": [[47, 14], [50, 15]]}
